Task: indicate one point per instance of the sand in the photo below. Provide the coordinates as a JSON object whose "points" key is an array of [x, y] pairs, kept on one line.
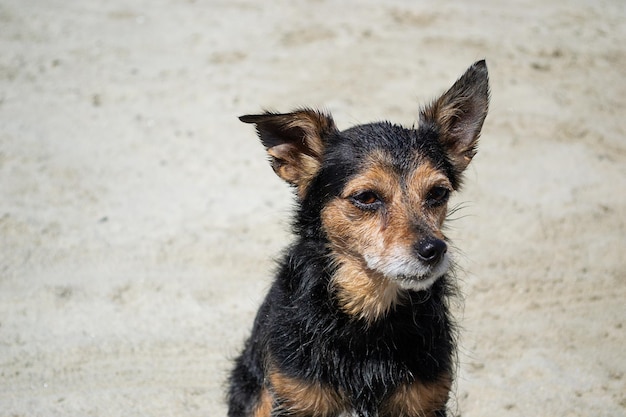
{"points": [[139, 219]]}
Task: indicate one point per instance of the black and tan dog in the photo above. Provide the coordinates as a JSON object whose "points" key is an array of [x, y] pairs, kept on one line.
{"points": [[356, 322]]}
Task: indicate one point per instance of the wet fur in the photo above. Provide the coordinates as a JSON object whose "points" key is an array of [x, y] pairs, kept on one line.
{"points": [[335, 335]]}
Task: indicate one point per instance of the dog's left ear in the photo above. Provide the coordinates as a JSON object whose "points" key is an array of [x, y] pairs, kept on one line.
{"points": [[458, 115], [295, 142]]}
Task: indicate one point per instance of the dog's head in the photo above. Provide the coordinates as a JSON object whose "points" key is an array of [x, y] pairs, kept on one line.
{"points": [[379, 192]]}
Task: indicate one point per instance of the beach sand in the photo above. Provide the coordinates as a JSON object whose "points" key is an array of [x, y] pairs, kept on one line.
{"points": [[140, 221]]}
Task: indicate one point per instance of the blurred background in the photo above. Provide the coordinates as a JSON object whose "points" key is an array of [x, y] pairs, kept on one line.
{"points": [[139, 219]]}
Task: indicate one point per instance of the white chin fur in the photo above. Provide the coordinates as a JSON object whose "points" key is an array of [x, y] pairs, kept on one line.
{"points": [[410, 274]]}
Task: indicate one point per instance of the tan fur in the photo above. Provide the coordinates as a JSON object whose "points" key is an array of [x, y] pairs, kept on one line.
{"points": [[364, 293], [265, 404], [419, 183], [353, 233], [294, 167], [314, 125], [300, 398], [418, 399], [298, 161]]}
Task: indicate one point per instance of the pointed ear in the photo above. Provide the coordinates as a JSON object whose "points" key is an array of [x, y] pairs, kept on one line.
{"points": [[458, 115], [295, 142]]}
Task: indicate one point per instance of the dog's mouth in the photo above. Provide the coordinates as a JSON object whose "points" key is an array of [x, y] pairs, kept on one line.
{"points": [[412, 278], [410, 274], [415, 282]]}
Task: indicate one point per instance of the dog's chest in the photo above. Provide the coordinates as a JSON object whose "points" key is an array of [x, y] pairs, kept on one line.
{"points": [[401, 362], [414, 340]]}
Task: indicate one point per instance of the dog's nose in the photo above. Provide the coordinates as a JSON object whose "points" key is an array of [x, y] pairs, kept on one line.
{"points": [[431, 250]]}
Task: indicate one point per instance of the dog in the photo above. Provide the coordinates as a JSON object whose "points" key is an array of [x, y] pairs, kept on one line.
{"points": [[357, 321]]}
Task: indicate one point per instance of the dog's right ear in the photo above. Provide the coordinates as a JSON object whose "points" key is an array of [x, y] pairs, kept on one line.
{"points": [[295, 142]]}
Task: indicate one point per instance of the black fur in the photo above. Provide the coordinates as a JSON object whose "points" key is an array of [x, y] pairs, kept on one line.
{"points": [[415, 341], [300, 325]]}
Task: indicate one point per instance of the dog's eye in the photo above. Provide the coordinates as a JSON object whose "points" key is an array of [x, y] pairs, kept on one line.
{"points": [[437, 196], [366, 200]]}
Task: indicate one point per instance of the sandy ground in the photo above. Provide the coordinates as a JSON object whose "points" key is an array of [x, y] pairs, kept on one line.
{"points": [[139, 218]]}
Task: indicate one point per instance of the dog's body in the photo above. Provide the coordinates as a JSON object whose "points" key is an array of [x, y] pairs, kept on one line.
{"points": [[356, 322]]}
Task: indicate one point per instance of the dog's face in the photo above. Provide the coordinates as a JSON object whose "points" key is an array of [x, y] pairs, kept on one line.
{"points": [[388, 214], [380, 191]]}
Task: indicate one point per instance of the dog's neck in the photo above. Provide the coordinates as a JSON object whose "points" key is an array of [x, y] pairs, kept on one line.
{"points": [[363, 293]]}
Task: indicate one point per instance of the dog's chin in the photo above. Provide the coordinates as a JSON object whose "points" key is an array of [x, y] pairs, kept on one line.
{"points": [[411, 275]]}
